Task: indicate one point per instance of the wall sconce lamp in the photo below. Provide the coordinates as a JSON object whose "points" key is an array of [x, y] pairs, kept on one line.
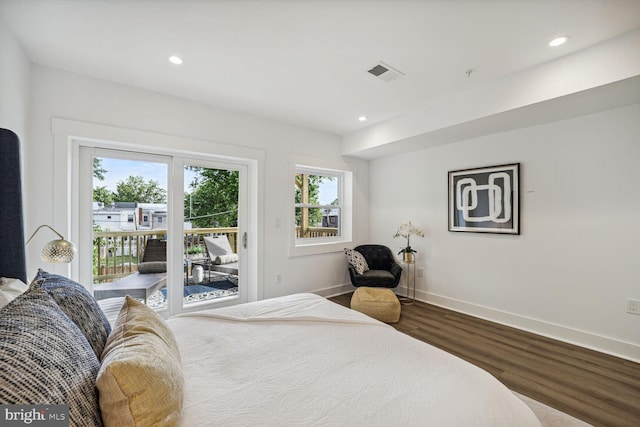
{"points": [[60, 250]]}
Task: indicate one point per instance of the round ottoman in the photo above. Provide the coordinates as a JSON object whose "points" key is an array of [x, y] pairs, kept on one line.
{"points": [[380, 303]]}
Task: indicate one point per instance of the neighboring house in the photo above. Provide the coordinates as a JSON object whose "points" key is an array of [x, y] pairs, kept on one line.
{"points": [[330, 218], [120, 216], [151, 216], [129, 216]]}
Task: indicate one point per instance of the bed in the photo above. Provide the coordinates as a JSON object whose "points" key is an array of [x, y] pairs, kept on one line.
{"points": [[294, 360], [303, 360]]}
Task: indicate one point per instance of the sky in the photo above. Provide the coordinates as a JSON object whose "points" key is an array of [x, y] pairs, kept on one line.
{"points": [[119, 170]]}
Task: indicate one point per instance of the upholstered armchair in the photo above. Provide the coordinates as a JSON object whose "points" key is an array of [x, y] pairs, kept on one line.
{"points": [[382, 270]]}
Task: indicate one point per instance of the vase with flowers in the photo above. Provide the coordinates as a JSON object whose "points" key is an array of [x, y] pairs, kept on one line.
{"points": [[406, 230]]}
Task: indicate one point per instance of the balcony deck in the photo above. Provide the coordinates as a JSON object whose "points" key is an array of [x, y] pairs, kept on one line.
{"points": [[116, 253]]}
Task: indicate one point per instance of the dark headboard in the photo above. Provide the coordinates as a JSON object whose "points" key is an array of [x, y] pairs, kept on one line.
{"points": [[12, 250]]}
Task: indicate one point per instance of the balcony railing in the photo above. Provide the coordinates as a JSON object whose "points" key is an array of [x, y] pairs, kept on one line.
{"points": [[316, 232], [117, 253]]}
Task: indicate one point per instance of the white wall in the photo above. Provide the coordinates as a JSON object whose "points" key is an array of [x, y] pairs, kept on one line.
{"points": [[578, 256], [14, 83], [59, 94]]}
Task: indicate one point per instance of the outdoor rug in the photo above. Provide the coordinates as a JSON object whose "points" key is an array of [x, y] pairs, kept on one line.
{"points": [[219, 286]]}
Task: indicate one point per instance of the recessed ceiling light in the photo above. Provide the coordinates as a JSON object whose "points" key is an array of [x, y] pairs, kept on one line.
{"points": [[174, 59], [362, 118], [558, 41]]}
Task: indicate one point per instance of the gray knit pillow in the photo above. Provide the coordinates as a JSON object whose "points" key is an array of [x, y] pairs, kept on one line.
{"points": [[45, 359], [80, 306]]}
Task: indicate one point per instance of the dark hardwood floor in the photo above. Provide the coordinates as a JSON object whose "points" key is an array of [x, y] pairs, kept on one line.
{"points": [[599, 389]]}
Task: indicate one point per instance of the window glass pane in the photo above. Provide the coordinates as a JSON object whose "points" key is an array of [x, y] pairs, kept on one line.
{"points": [[129, 233], [211, 200], [317, 189], [327, 190], [320, 222]]}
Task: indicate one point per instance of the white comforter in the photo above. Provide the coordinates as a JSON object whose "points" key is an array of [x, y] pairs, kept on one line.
{"points": [[301, 360]]}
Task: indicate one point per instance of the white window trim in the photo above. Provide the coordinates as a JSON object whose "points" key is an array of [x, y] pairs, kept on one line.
{"points": [[320, 245]]}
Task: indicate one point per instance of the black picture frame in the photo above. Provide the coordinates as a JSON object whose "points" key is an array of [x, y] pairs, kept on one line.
{"points": [[485, 200]]}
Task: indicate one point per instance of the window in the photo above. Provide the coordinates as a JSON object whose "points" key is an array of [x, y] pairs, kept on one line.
{"points": [[321, 210], [318, 204]]}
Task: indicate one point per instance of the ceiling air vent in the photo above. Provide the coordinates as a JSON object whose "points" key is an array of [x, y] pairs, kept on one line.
{"points": [[385, 72]]}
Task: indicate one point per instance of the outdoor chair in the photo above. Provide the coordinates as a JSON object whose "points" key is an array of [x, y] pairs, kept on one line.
{"points": [[221, 256], [154, 259]]}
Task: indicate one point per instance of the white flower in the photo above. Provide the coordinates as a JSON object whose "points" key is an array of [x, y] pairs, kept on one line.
{"points": [[406, 230]]}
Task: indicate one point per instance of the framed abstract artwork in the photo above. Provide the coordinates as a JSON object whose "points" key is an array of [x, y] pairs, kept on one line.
{"points": [[485, 200]]}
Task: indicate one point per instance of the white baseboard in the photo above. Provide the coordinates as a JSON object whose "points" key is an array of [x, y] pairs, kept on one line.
{"points": [[614, 347], [607, 345], [335, 290]]}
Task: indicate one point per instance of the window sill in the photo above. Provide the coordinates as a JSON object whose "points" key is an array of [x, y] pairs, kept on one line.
{"points": [[315, 248]]}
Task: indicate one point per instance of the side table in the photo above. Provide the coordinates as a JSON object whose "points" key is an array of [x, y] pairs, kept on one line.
{"points": [[206, 264], [409, 267]]}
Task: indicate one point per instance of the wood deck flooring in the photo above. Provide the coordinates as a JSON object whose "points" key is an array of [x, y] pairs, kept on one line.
{"points": [[599, 389]]}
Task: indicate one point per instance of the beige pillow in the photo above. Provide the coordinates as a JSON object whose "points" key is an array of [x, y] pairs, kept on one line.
{"points": [[140, 382]]}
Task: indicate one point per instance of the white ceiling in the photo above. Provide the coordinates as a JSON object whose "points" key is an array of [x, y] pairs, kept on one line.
{"points": [[305, 62]]}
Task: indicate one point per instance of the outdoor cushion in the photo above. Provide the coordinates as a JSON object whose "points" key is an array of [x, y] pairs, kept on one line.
{"points": [[225, 259], [217, 246], [152, 267]]}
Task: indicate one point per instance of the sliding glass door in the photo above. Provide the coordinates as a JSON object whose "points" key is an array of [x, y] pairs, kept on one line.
{"points": [[212, 240], [165, 229]]}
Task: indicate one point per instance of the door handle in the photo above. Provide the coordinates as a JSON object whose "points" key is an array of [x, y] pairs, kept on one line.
{"points": [[244, 240]]}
